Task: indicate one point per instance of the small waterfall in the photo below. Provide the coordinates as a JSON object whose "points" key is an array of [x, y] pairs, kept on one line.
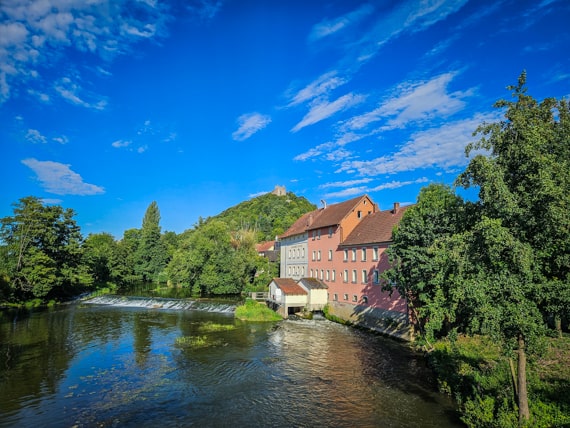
{"points": [[160, 303]]}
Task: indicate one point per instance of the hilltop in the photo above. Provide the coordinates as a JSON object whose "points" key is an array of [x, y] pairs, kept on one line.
{"points": [[269, 215]]}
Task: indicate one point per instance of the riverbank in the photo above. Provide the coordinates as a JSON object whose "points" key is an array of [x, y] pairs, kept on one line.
{"points": [[255, 311], [473, 372]]}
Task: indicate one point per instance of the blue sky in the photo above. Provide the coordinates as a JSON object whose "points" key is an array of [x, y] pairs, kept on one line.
{"points": [[108, 105]]}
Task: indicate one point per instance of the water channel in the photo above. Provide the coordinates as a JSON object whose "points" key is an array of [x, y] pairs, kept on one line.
{"points": [[138, 362]]}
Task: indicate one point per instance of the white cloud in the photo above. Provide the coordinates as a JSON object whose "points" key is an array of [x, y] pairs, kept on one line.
{"points": [[398, 184], [347, 183], [61, 140], [320, 87], [34, 136], [35, 32], [329, 27], [414, 102], [249, 124], [332, 150], [58, 178], [442, 147], [121, 143], [70, 91], [322, 109]]}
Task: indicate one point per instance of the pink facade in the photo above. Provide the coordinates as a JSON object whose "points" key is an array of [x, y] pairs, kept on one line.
{"points": [[350, 256]]}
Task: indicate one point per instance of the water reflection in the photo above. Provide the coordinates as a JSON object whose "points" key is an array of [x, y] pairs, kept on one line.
{"points": [[89, 365]]}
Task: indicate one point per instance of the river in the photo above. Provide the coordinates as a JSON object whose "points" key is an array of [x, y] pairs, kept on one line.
{"points": [[128, 362]]}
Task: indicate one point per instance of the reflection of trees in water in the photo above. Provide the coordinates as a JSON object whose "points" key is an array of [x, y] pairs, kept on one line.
{"points": [[35, 352]]}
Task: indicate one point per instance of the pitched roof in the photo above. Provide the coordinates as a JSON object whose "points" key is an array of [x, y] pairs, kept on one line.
{"points": [[333, 214], [300, 225], [375, 228], [313, 283], [289, 286], [264, 246]]}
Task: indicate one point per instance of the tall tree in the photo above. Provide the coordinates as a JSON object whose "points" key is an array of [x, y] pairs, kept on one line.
{"points": [[524, 199], [43, 250], [152, 255], [436, 216]]}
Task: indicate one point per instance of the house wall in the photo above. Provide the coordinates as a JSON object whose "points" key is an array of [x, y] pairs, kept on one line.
{"points": [[317, 299], [294, 257], [296, 300]]}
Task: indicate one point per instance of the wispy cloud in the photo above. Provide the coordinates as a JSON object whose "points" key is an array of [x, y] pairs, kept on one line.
{"points": [[329, 27], [249, 124], [318, 88], [323, 109], [70, 91], [121, 143], [58, 178], [205, 9], [352, 189], [442, 147], [347, 183], [35, 32], [414, 102]]}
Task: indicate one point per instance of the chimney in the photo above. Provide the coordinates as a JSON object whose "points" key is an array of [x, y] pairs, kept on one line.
{"points": [[324, 204], [396, 207], [310, 219]]}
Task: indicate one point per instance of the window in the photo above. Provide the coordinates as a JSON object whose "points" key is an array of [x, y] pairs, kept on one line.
{"points": [[333, 277], [364, 276], [335, 297], [311, 273], [345, 296], [363, 256], [354, 298], [319, 234], [330, 254], [359, 214], [303, 251], [330, 231], [319, 255], [354, 254], [354, 275], [376, 276], [345, 277], [365, 300], [289, 252], [322, 274], [314, 234], [328, 277], [375, 253], [345, 257], [289, 271]]}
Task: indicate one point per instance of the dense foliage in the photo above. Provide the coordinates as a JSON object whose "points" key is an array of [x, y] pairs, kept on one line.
{"points": [[44, 256], [269, 215], [499, 266]]}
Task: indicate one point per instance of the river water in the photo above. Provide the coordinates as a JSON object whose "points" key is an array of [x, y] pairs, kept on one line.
{"points": [[162, 363]]}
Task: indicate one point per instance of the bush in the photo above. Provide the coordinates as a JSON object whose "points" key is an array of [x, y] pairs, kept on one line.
{"points": [[255, 311]]}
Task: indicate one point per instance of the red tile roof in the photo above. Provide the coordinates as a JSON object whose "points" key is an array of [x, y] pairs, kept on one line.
{"points": [[313, 283], [265, 246], [333, 214], [375, 228], [289, 286], [300, 226]]}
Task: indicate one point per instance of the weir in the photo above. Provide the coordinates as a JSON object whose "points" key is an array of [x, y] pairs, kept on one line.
{"points": [[161, 303]]}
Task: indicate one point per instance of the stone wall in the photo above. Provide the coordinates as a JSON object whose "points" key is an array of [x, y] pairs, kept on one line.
{"points": [[387, 322]]}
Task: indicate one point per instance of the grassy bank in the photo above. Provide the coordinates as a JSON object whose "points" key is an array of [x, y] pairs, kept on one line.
{"points": [[475, 373], [255, 311]]}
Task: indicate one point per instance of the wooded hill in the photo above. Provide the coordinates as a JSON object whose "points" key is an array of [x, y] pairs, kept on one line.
{"points": [[268, 215]]}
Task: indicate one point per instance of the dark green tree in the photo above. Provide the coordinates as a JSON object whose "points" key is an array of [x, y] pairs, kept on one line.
{"points": [[98, 254], [436, 216], [152, 256], [524, 204], [43, 251]]}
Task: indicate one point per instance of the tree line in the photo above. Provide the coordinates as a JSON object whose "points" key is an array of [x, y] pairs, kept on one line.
{"points": [[498, 265], [43, 254]]}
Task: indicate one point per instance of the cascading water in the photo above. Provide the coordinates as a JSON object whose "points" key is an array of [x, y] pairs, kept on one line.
{"points": [[161, 303]]}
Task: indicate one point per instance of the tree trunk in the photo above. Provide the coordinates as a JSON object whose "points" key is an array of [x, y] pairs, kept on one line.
{"points": [[558, 324], [524, 413]]}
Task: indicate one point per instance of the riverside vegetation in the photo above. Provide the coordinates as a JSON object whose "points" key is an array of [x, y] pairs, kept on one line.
{"points": [[498, 266], [487, 281]]}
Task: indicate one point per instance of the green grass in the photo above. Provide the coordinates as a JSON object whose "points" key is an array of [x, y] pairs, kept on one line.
{"points": [[197, 342], [210, 327], [254, 311], [478, 376]]}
